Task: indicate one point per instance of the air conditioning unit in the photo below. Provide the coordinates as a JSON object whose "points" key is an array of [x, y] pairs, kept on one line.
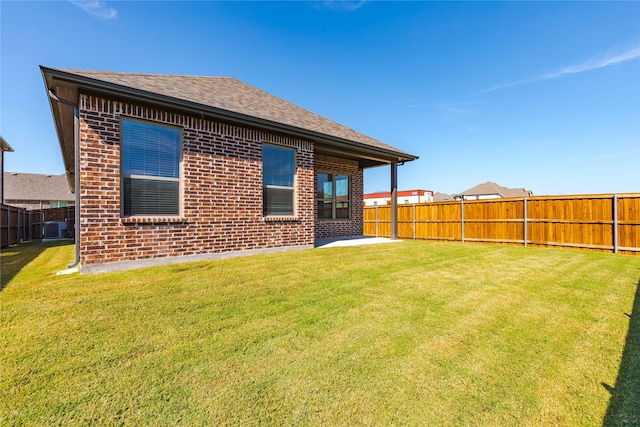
{"points": [[55, 230]]}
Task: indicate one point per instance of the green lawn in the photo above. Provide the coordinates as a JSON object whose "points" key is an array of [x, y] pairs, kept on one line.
{"points": [[412, 333]]}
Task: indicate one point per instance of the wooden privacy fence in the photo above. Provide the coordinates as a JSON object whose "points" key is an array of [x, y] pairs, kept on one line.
{"points": [[593, 222], [19, 225]]}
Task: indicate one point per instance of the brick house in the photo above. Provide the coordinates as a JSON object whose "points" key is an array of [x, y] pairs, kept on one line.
{"points": [[172, 168]]}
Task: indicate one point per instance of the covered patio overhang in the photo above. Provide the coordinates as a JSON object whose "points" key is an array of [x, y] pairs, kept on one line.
{"points": [[372, 158]]}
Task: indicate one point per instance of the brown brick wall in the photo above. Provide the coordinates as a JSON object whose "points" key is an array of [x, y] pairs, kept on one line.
{"points": [[342, 227], [222, 190]]}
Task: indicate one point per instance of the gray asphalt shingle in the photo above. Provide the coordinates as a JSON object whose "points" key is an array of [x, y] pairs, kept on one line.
{"points": [[230, 94]]}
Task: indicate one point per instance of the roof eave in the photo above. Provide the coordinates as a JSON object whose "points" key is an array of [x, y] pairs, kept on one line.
{"points": [[4, 145], [62, 114]]}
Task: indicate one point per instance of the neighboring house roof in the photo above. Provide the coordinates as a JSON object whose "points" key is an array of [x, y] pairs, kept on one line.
{"points": [[35, 186], [491, 188], [442, 197], [4, 145], [403, 193], [219, 98]]}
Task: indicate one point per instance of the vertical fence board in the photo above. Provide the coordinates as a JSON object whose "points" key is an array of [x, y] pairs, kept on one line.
{"points": [[628, 223], [4, 226]]}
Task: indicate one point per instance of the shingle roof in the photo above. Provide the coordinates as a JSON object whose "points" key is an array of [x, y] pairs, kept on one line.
{"points": [[229, 94], [35, 186], [493, 188], [442, 197]]}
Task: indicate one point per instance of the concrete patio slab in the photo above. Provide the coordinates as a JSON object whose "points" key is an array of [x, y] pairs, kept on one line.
{"points": [[351, 241]]}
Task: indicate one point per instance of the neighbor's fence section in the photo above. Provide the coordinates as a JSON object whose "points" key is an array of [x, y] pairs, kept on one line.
{"points": [[593, 222], [20, 225]]}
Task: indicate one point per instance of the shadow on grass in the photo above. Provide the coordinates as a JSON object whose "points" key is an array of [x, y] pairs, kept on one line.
{"points": [[14, 258], [624, 406]]}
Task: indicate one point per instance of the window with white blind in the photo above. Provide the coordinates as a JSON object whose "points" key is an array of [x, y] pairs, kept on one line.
{"points": [[278, 176], [150, 168], [333, 196]]}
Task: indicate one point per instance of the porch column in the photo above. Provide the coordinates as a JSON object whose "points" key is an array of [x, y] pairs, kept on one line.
{"points": [[394, 201]]}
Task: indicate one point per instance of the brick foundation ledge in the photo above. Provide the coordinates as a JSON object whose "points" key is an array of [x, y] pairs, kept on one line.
{"points": [[154, 262]]}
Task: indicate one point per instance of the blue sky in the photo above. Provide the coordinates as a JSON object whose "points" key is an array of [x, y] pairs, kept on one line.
{"points": [[541, 95]]}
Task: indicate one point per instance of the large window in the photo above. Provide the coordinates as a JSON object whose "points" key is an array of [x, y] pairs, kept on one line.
{"points": [[150, 165], [278, 173], [333, 196]]}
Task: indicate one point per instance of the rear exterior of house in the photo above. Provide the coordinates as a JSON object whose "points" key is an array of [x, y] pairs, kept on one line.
{"points": [[161, 180]]}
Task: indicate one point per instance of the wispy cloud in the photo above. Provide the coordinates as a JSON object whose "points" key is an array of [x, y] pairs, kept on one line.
{"points": [[607, 59], [342, 5], [449, 110], [454, 113], [98, 9], [608, 156]]}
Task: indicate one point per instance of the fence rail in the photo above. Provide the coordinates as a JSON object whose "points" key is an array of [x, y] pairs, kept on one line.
{"points": [[594, 222], [20, 225]]}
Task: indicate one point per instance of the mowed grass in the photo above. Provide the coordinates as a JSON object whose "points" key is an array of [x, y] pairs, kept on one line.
{"points": [[411, 333]]}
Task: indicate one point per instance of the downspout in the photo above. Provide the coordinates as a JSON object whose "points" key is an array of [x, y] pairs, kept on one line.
{"points": [[76, 156]]}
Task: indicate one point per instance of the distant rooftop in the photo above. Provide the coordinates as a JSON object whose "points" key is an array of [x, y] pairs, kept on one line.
{"points": [[35, 186], [402, 193], [442, 197], [491, 188]]}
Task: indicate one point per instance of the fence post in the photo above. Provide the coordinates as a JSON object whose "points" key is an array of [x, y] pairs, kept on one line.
{"points": [[376, 220], [524, 236], [615, 223], [462, 217], [414, 221]]}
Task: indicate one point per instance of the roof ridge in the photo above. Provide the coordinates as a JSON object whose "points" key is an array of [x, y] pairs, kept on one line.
{"points": [[35, 173]]}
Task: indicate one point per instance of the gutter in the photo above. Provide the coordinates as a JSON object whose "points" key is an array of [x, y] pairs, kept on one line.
{"points": [[76, 154]]}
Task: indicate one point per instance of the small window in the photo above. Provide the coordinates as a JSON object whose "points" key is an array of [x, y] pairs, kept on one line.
{"points": [[278, 175], [333, 196], [150, 166]]}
